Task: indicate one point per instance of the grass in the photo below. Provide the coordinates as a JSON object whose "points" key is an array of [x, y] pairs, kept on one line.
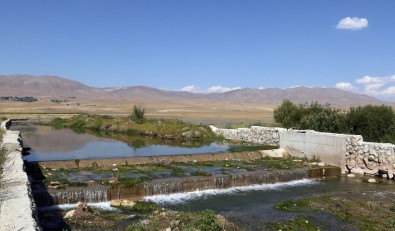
{"points": [[163, 128], [250, 148], [203, 220], [2, 160], [300, 222], [2, 153], [364, 211], [291, 206]]}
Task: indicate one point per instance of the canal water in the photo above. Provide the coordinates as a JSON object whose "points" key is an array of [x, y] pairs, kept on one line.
{"points": [[250, 207], [49, 144]]}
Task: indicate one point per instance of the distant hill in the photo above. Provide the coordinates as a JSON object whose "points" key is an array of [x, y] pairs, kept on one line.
{"points": [[52, 86], [298, 95]]}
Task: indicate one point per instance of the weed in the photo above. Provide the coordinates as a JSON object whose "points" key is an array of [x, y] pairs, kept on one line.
{"points": [[177, 171], [202, 173], [208, 221], [145, 207], [2, 159], [290, 205], [250, 148], [77, 163], [138, 114], [300, 222]]}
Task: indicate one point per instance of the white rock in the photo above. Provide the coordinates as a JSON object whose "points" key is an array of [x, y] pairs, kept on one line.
{"points": [[69, 214], [372, 180], [351, 175]]}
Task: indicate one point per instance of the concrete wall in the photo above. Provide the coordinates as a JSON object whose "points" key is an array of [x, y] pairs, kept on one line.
{"points": [[349, 152], [17, 207], [326, 147]]}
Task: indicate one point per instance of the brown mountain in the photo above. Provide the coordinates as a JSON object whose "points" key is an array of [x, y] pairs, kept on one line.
{"points": [[51, 86], [298, 95]]}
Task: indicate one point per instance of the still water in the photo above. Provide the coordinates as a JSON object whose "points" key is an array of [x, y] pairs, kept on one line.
{"points": [[49, 144]]}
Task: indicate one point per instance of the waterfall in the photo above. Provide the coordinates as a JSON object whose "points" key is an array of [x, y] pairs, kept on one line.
{"points": [[56, 197], [176, 185]]}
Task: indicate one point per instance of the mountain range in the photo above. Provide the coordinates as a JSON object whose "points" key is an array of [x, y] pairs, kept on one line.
{"points": [[55, 87]]}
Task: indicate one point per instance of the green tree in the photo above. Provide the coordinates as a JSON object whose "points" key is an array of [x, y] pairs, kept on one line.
{"points": [[322, 118], [288, 114], [375, 123], [138, 114]]}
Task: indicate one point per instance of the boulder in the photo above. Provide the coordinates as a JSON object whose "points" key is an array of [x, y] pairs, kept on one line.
{"points": [[69, 214], [126, 203], [372, 180]]}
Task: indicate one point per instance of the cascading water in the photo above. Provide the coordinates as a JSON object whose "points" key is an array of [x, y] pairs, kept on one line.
{"points": [[169, 186], [48, 198], [177, 185]]}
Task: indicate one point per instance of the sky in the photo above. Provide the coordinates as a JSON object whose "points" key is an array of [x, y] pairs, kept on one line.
{"points": [[204, 45]]}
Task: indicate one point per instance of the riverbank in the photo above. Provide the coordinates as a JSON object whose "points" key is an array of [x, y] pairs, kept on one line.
{"points": [[160, 128]]}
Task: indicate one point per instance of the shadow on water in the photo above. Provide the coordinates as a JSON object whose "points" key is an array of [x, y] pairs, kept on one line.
{"points": [[49, 220]]}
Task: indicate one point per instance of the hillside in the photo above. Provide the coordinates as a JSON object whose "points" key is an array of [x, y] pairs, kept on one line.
{"points": [[52, 86]]}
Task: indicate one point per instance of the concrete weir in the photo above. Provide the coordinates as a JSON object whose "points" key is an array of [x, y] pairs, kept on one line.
{"points": [[17, 207]]}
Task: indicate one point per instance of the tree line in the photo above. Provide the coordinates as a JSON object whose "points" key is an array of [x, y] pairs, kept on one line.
{"points": [[376, 123]]}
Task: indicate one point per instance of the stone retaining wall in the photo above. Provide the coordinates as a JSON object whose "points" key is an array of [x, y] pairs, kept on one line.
{"points": [[17, 207], [349, 152], [255, 134]]}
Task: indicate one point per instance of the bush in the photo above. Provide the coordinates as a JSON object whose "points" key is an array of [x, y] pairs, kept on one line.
{"points": [[208, 221], [138, 114], [288, 114], [374, 123]]}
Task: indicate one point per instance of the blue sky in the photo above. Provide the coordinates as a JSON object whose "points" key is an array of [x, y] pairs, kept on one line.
{"points": [[203, 45]]}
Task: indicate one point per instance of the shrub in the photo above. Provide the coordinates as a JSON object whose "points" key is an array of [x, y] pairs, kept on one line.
{"points": [[138, 114], [288, 114], [375, 123], [208, 221]]}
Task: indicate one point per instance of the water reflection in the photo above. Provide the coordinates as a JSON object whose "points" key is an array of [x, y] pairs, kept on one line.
{"points": [[49, 144]]}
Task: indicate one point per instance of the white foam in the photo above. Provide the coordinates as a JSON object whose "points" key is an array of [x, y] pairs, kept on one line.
{"points": [[100, 205], [181, 197]]}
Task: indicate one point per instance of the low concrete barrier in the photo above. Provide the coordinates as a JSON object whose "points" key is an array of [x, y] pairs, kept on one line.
{"points": [[17, 207], [349, 152]]}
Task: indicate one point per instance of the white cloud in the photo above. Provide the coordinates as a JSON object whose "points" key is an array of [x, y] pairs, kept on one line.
{"points": [[191, 88], [344, 86], [390, 91], [377, 86], [375, 80], [221, 89], [373, 86], [354, 23], [213, 89]]}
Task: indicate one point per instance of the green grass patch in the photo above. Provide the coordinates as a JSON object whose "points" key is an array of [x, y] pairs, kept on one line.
{"points": [[2, 158], [301, 222], [164, 128], [202, 173], [291, 205], [250, 148]]}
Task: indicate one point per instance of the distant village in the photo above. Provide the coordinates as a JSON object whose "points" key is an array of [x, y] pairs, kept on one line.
{"points": [[17, 98]]}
